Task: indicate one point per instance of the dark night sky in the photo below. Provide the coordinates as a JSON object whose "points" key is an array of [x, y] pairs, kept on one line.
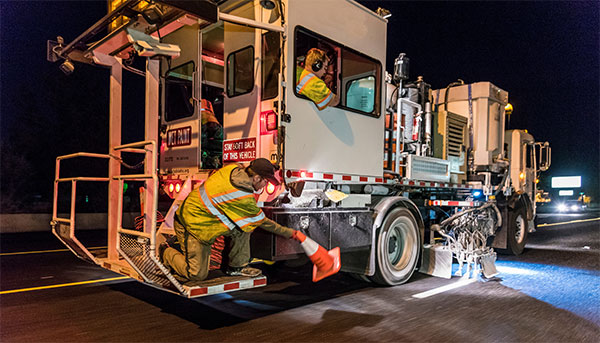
{"points": [[545, 54]]}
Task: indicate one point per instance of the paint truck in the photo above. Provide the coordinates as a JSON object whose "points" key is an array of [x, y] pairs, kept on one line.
{"points": [[400, 175]]}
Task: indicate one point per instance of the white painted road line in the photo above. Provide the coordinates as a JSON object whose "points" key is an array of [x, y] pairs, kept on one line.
{"points": [[569, 222], [457, 284]]}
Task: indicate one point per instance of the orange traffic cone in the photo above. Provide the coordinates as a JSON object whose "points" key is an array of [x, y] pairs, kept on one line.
{"points": [[326, 263]]}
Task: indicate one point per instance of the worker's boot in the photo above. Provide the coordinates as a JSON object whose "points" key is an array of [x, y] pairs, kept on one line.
{"points": [[243, 271]]}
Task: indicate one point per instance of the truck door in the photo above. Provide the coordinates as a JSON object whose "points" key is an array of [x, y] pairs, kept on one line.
{"points": [[347, 138], [242, 93], [530, 170], [180, 148]]}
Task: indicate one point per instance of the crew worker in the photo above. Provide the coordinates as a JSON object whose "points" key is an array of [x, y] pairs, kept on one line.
{"points": [[223, 206], [212, 137], [310, 79]]}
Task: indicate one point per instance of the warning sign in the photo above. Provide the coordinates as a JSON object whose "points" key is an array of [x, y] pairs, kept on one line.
{"points": [[239, 150]]}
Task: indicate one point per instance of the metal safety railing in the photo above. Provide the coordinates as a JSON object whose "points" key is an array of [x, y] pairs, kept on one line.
{"points": [[64, 228], [138, 248]]}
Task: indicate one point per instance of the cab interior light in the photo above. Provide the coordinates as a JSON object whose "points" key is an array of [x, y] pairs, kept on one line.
{"points": [[270, 188]]}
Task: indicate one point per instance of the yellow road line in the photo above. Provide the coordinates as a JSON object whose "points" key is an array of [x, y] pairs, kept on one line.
{"points": [[63, 285], [570, 222], [42, 251]]}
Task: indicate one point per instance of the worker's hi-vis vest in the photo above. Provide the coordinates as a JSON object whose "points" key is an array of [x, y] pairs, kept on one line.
{"points": [[217, 207], [313, 88]]}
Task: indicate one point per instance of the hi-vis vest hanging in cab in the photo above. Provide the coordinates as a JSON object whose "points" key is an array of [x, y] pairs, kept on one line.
{"points": [[217, 207]]}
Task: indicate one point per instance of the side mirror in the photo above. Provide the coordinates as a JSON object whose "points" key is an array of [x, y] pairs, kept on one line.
{"points": [[545, 153]]}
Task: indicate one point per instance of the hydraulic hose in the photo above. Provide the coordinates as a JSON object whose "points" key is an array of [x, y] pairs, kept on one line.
{"points": [[459, 82]]}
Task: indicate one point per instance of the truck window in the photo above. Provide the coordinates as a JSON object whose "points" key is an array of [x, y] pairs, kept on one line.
{"points": [[179, 101], [529, 162], [270, 64], [357, 76], [360, 94], [240, 72]]}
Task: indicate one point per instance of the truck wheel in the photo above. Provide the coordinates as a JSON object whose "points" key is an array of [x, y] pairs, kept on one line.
{"points": [[516, 234], [398, 247]]}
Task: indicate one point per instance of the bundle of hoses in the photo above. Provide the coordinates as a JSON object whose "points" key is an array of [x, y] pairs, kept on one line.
{"points": [[139, 221]]}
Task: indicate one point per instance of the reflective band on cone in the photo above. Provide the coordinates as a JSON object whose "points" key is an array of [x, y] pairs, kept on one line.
{"points": [[326, 263], [310, 247]]}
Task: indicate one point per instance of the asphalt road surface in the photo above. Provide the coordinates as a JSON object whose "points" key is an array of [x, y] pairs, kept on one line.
{"points": [[551, 293]]}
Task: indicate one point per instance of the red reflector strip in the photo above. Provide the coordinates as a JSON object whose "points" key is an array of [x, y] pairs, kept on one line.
{"points": [[346, 177], [363, 179], [230, 286], [328, 176], [378, 180], [198, 291], [260, 282]]}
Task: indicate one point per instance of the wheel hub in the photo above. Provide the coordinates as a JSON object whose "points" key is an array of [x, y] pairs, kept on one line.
{"points": [[393, 245]]}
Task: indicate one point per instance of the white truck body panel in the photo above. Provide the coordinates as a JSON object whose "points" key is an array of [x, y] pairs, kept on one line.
{"points": [[488, 103], [334, 140], [241, 112], [181, 158]]}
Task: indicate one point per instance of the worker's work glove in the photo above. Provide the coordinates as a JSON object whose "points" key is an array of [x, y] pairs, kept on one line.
{"points": [[299, 236]]}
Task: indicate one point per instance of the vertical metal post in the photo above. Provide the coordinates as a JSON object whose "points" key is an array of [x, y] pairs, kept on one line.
{"points": [[151, 134], [55, 199], [72, 215], [399, 129], [114, 167]]}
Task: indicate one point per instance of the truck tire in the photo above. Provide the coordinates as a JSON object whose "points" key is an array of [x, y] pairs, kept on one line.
{"points": [[398, 247], [516, 234]]}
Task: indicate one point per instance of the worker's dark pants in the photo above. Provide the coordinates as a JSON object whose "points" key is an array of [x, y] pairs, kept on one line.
{"points": [[193, 263]]}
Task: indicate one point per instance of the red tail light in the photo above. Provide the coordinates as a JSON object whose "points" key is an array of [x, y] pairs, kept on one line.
{"points": [[268, 122], [271, 121]]}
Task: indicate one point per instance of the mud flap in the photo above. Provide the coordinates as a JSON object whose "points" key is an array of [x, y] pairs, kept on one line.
{"points": [[437, 261], [488, 264]]}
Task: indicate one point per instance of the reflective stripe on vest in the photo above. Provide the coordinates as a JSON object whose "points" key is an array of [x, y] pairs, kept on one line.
{"points": [[325, 101], [231, 196], [213, 210], [246, 221], [304, 81], [230, 205]]}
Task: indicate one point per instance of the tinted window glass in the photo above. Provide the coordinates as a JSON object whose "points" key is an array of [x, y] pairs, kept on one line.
{"points": [[178, 92], [240, 72], [270, 64]]}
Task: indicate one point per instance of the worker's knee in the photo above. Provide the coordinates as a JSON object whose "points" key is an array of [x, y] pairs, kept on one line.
{"points": [[201, 275]]}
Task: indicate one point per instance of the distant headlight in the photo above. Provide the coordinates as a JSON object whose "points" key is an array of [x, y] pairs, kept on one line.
{"points": [[562, 207], [574, 207]]}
